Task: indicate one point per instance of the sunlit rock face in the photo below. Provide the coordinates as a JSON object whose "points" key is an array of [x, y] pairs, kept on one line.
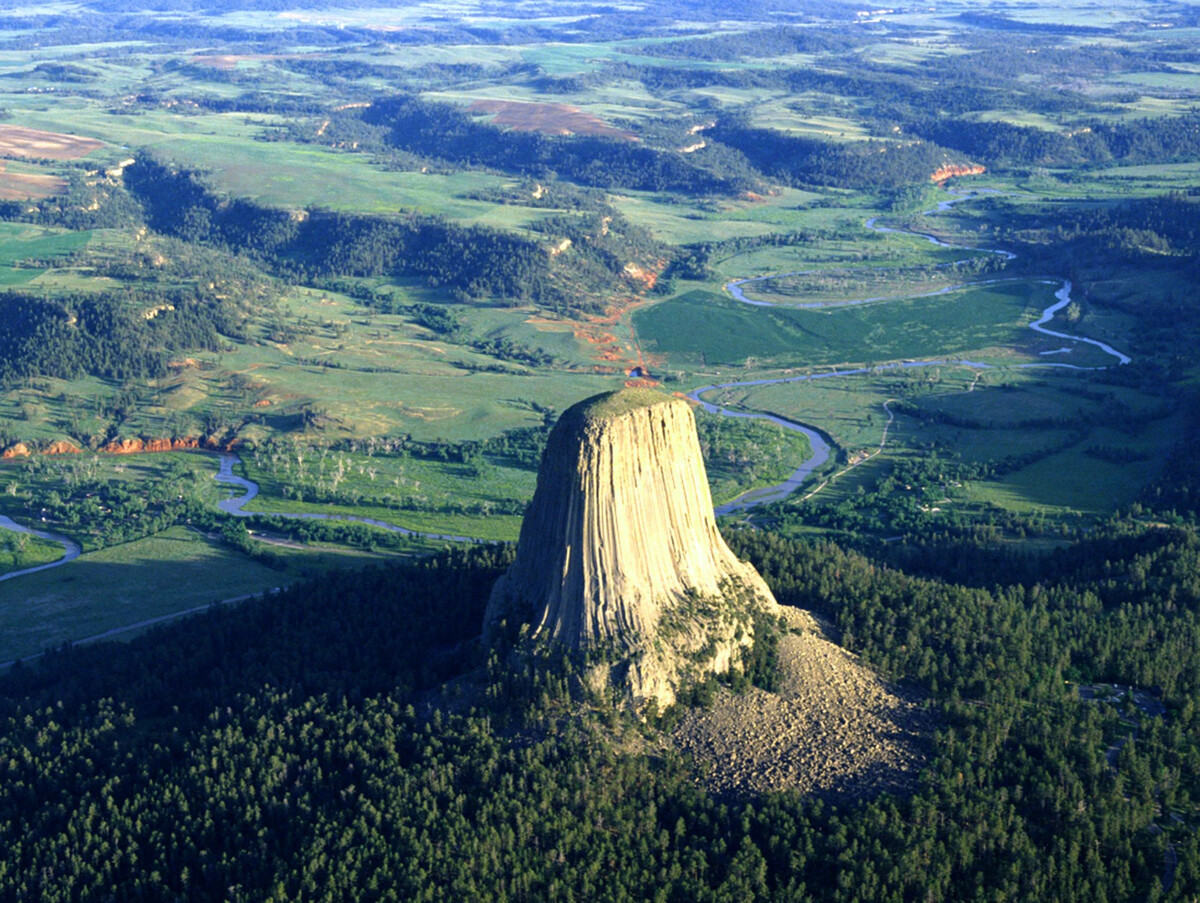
{"points": [[620, 555]]}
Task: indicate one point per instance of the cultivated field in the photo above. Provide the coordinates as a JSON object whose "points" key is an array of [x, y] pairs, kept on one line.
{"points": [[20, 141], [547, 118]]}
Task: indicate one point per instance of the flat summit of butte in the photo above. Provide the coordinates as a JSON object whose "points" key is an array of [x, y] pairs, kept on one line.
{"points": [[620, 555]]}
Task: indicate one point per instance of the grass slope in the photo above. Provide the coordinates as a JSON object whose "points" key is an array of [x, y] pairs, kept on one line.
{"points": [[721, 330]]}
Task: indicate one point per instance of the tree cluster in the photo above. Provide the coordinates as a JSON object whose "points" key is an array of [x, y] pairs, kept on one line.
{"points": [[812, 161], [106, 334], [1161, 140], [445, 132], [278, 749]]}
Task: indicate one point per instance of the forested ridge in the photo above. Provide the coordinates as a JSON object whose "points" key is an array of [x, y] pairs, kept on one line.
{"points": [[109, 334], [1162, 140], [943, 140], [288, 748], [444, 131], [812, 161], [473, 263], [472, 260]]}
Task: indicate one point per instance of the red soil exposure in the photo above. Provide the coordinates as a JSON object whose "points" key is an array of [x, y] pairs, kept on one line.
{"points": [[122, 447], [641, 384], [609, 350], [137, 446], [597, 330], [18, 141], [648, 278], [547, 118], [957, 169]]}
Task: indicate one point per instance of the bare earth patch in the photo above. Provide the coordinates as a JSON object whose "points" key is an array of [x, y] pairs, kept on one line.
{"points": [[19, 141], [547, 118], [833, 729], [229, 61]]}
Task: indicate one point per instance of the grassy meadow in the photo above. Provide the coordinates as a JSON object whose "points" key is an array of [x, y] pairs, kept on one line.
{"points": [[19, 551], [713, 329], [162, 575], [1056, 445]]}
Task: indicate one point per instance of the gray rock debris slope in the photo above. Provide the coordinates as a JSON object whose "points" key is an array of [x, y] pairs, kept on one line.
{"points": [[620, 554], [833, 728]]}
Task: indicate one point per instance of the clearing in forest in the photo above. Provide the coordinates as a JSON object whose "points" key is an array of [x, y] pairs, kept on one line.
{"points": [[20, 186], [547, 118]]}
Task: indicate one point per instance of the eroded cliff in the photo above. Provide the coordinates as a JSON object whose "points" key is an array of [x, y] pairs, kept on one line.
{"points": [[620, 554]]}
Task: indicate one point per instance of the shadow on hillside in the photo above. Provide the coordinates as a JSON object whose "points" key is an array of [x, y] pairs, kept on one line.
{"points": [[346, 634]]}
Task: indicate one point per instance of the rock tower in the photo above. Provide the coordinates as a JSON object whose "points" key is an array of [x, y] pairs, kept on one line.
{"points": [[620, 556]]}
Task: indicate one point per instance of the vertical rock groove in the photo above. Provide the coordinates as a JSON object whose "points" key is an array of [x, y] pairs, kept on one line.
{"points": [[620, 551]]}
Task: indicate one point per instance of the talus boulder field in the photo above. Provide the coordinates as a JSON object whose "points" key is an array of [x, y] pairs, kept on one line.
{"points": [[620, 555]]}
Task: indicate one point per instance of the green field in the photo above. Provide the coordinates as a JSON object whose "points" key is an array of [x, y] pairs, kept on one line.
{"points": [[1071, 482], [1053, 444], [719, 330], [19, 551], [475, 500], [171, 572], [24, 250], [368, 373], [484, 497]]}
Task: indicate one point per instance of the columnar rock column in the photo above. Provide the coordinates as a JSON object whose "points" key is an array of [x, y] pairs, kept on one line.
{"points": [[620, 554]]}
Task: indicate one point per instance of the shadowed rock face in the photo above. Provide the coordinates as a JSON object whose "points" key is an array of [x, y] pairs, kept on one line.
{"points": [[620, 553]]}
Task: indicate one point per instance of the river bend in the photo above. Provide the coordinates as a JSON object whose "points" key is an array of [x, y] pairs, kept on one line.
{"points": [[820, 447]]}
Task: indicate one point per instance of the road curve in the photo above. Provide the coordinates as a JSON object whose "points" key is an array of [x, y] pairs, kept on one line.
{"points": [[148, 622]]}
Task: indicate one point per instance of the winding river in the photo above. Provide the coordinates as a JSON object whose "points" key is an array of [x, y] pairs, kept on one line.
{"points": [[821, 449], [235, 505], [71, 549], [820, 446]]}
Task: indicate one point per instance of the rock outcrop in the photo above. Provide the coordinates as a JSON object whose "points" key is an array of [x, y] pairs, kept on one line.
{"points": [[620, 556], [124, 447], [950, 170]]}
